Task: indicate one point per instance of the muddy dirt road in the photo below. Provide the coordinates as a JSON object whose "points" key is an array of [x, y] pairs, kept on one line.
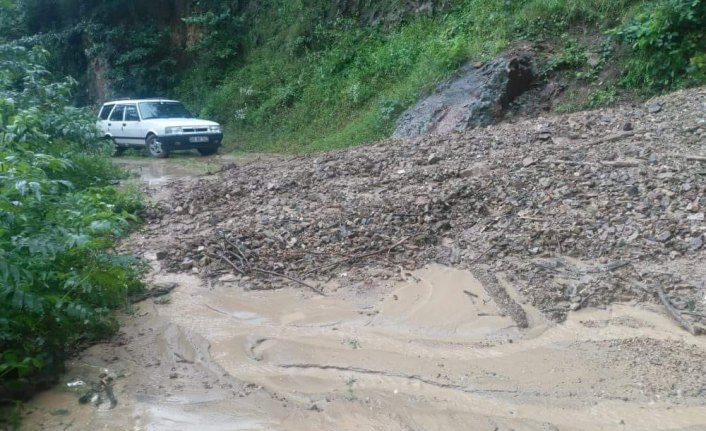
{"points": [[419, 348], [430, 351]]}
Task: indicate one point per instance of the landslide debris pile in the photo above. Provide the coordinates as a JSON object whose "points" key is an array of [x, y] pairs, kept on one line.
{"points": [[575, 210]]}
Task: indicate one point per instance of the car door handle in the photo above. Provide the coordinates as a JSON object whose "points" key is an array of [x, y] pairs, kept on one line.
{"points": [[110, 124], [124, 124]]}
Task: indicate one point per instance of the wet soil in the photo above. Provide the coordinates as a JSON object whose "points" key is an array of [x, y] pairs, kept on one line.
{"points": [[439, 346], [434, 352]]}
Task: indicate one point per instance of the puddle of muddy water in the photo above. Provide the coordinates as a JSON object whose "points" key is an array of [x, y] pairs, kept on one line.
{"points": [[158, 172], [435, 353]]}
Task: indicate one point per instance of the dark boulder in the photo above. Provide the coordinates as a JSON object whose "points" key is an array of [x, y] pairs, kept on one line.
{"points": [[475, 96]]}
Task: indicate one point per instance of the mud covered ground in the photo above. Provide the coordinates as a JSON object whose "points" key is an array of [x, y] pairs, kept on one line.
{"points": [[504, 279], [577, 210]]}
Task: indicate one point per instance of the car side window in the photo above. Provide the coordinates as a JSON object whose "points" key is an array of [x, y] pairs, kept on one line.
{"points": [[131, 113], [105, 111], [117, 114]]}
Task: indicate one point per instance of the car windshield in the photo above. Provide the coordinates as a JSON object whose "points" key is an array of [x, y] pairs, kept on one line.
{"points": [[151, 110]]}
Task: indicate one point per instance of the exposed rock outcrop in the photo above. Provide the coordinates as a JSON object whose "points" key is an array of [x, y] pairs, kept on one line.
{"points": [[475, 96]]}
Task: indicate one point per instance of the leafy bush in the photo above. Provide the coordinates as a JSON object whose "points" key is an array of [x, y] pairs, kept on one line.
{"points": [[58, 219], [668, 44]]}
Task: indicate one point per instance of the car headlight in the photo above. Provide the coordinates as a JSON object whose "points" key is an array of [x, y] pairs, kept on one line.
{"points": [[215, 129], [172, 130]]}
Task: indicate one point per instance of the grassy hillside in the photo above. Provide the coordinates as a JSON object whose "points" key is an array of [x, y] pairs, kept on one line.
{"points": [[300, 76], [304, 82]]}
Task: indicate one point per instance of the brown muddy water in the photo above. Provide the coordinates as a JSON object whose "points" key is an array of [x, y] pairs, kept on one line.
{"points": [[430, 351]]}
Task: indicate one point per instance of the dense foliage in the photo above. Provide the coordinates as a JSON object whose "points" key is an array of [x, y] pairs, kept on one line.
{"points": [[668, 39], [305, 83], [306, 75], [59, 216]]}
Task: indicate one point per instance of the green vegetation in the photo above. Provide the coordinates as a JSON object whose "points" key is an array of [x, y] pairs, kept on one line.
{"points": [[668, 41], [301, 76], [302, 86], [283, 76], [59, 217]]}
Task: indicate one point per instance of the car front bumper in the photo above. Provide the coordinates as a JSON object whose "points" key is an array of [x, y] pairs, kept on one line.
{"points": [[191, 141]]}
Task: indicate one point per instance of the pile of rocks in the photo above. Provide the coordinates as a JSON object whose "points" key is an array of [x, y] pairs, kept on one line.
{"points": [[580, 209]]}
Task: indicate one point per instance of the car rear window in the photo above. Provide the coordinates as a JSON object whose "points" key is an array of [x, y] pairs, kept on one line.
{"points": [[117, 114], [105, 112]]}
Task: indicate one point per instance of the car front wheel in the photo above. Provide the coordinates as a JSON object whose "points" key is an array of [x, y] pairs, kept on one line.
{"points": [[155, 147]]}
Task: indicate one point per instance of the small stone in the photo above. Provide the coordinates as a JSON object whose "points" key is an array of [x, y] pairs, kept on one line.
{"points": [[187, 264], [476, 170], [575, 306], [695, 217], [545, 182], [627, 127], [654, 108], [544, 136], [174, 376], [466, 173], [228, 278], [528, 161], [664, 236], [162, 254], [433, 159], [696, 243]]}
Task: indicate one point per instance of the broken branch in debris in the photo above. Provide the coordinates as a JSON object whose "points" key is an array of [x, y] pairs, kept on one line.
{"points": [[156, 291], [237, 249], [696, 158], [241, 271], [296, 280], [611, 138], [620, 163], [673, 312], [358, 256], [230, 262], [607, 163]]}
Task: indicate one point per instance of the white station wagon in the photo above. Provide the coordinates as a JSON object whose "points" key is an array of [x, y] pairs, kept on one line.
{"points": [[160, 125]]}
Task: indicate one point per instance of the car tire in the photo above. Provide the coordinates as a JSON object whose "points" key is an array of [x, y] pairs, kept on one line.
{"points": [[155, 148], [208, 151]]}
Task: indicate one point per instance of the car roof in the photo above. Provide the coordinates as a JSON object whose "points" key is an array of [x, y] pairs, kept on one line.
{"points": [[123, 101]]}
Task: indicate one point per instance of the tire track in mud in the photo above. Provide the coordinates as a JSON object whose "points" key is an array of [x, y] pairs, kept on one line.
{"points": [[391, 374]]}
